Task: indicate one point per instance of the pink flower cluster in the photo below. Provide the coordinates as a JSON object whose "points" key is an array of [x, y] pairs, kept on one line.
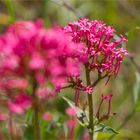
{"points": [[101, 47], [31, 55], [79, 85]]}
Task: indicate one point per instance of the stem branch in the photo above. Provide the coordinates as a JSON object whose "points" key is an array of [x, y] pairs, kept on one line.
{"points": [[36, 124], [11, 126], [90, 102], [36, 113], [95, 83]]}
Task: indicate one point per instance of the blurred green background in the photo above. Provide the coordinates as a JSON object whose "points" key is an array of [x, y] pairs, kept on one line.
{"points": [[124, 16]]}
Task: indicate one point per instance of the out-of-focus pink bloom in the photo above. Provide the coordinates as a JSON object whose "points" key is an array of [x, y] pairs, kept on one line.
{"points": [[47, 116], [40, 78], [101, 46], [44, 92], [31, 54], [71, 123], [20, 103], [3, 117], [86, 136], [71, 111], [18, 83], [36, 62]]}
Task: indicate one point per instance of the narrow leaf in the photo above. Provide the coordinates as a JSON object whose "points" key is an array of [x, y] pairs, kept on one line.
{"points": [[103, 128], [81, 115]]}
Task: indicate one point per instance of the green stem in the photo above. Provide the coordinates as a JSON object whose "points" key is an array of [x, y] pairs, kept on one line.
{"points": [[11, 126], [36, 124], [10, 9], [90, 102], [36, 113]]}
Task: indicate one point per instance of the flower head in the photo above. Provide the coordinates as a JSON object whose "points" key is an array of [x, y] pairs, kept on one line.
{"points": [[101, 46]]}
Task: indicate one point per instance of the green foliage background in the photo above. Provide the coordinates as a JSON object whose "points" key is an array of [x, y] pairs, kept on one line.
{"points": [[124, 15]]}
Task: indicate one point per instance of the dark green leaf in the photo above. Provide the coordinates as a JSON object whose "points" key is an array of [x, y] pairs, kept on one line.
{"points": [[103, 128], [29, 133], [65, 128]]}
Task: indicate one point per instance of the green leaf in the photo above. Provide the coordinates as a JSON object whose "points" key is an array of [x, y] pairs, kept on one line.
{"points": [[65, 128], [29, 116], [81, 115], [51, 129], [137, 107], [103, 128], [79, 131], [71, 103], [28, 133], [10, 8], [136, 89], [79, 111], [104, 136]]}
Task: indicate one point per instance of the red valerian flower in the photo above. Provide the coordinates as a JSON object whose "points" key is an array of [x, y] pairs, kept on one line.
{"points": [[101, 46]]}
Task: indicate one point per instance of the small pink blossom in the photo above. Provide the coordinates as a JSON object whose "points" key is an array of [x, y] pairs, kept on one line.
{"points": [[79, 85], [18, 83], [44, 92], [104, 97], [47, 116], [36, 62], [20, 103], [88, 89], [3, 117], [86, 136], [71, 123], [71, 111]]}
